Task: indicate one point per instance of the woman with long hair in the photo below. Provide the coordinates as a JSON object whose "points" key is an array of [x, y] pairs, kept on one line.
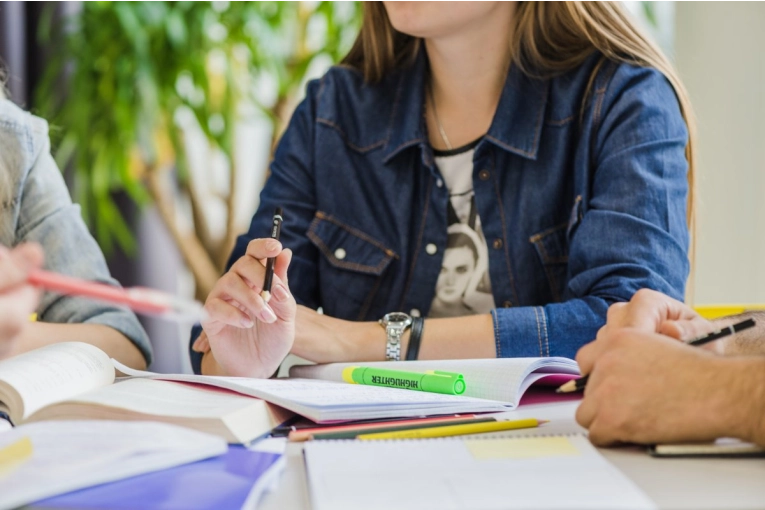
{"points": [[556, 131]]}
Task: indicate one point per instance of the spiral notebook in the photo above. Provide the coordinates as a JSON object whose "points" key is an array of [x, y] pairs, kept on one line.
{"points": [[526, 472]]}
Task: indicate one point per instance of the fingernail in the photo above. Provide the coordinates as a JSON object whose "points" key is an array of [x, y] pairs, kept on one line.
{"points": [[246, 322], [272, 245], [268, 315], [280, 293]]}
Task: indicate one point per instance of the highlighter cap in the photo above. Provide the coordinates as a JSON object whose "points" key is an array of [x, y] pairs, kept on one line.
{"points": [[449, 383]]}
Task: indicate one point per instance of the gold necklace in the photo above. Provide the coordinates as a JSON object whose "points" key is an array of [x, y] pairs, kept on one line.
{"points": [[438, 121]]}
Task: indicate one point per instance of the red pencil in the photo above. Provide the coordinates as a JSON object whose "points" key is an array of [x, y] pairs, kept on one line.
{"points": [[139, 299]]}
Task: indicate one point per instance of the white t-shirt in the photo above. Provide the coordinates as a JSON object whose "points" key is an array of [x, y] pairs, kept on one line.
{"points": [[463, 286]]}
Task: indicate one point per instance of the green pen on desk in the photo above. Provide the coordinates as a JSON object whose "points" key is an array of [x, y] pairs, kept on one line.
{"points": [[434, 381]]}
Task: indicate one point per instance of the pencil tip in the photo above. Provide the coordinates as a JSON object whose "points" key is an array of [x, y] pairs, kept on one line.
{"points": [[542, 422]]}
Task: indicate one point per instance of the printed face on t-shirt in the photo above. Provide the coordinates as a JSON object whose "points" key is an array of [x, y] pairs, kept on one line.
{"points": [[456, 270]]}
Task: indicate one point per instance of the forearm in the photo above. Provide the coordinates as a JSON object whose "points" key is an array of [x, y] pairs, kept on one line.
{"points": [[748, 342], [745, 398], [325, 339], [111, 341]]}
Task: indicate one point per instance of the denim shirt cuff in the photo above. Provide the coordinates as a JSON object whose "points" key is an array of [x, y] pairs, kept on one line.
{"points": [[521, 332]]}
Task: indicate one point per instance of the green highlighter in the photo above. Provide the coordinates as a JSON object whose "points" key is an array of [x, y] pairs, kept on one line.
{"points": [[434, 381]]}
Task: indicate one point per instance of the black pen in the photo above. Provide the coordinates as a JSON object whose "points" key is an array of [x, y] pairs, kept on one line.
{"points": [[579, 384], [276, 230]]}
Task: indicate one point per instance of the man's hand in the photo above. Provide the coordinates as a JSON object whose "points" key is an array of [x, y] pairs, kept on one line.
{"points": [[17, 299], [654, 312], [647, 388], [248, 336]]}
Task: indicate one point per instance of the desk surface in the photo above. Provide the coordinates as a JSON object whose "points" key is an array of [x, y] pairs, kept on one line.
{"points": [[671, 483]]}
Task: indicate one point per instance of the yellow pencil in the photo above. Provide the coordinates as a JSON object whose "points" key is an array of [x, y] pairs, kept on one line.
{"points": [[715, 311], [455, 430]]}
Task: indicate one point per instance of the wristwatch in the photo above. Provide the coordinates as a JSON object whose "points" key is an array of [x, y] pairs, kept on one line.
{"points": [[395, 324]]}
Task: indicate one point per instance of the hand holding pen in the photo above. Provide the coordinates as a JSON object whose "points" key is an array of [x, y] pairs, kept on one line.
{"points": [[249, 336]]}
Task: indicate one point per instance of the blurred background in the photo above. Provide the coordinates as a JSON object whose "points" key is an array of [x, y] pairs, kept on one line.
{"points": [[164, 116]]}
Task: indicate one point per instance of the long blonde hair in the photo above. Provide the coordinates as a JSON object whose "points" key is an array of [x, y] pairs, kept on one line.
{"points": [[548, 39]]}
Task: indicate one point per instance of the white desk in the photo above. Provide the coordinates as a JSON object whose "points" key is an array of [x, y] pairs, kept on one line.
{"points": [[671, 483]]}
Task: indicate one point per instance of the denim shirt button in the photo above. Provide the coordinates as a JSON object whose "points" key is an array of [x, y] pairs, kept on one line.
{"points": [[414, 312], [440, 183], [340, 254], [484, 175], [497, 244], [431, 249], [507, 304]]}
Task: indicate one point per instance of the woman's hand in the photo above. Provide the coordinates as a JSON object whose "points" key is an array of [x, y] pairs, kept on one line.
{"points": [[17, 299], [247, 336]]}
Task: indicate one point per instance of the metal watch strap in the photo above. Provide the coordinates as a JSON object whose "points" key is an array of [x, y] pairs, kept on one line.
{"points": [[393, 345]]}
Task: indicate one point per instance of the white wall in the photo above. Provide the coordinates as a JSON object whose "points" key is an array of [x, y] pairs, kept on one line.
{"points": [[720, 53]]}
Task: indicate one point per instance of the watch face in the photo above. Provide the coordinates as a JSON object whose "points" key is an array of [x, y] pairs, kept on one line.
{"points": [[397, 319]]}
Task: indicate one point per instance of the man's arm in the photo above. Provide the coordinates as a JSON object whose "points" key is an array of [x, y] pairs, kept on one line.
{"points": [[647, 388], [746, 343]]}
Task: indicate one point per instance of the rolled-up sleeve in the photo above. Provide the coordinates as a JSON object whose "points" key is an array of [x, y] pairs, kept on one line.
{"points": [[47, 216], [633, 232]]}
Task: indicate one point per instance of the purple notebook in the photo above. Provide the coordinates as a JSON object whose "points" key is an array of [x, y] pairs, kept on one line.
{"points": [[220, 482]]}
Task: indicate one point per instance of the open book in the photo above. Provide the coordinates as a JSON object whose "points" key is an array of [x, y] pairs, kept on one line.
{"points": [[325, 401], [492, 386], [504, 379], [74, 380]]}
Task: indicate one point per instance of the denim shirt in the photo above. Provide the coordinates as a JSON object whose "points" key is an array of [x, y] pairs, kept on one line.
{"points": [[36, 207], [582, 200]]}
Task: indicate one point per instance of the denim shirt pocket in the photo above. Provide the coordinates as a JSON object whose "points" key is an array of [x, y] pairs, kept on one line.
{"points": [[552, 246], [352, 264]]}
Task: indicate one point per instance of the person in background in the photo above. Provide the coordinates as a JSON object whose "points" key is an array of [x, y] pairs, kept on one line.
{"points": [[554, 130], [36, 208], [17, 299], [646, 387]]}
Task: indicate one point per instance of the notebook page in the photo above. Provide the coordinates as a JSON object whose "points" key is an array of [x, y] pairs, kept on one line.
{"points": [[495, 379], [56, 372], [455, 474]]}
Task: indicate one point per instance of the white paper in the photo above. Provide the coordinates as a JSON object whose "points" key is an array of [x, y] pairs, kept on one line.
{"points": [[445, 474], [71, 455]]}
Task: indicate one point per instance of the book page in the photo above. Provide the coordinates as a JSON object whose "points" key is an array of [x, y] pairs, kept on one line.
{"points": [[163, 398], [494, 379], [54, 373]]}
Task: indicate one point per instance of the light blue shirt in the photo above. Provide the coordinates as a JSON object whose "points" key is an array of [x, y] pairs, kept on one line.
{"points": [[36, 207]]}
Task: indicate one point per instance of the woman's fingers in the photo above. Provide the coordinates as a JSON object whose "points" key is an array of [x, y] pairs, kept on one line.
{"points": [[260, 249], [220, 311], [232, 286], [282, 264]]}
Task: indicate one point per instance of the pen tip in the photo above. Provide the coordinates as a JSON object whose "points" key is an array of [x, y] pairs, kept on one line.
{"points": [[266, 296]]}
